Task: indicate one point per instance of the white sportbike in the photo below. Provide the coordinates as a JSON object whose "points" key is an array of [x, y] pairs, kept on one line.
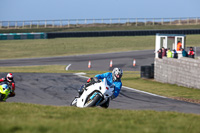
{"points": [[94, 95]]}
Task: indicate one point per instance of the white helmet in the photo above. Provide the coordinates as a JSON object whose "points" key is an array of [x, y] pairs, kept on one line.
{"points": [[9, 77], [117, 74]]}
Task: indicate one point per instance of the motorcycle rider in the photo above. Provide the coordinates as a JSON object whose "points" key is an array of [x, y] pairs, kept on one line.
{"points": [[10, 82], [113, 78]]}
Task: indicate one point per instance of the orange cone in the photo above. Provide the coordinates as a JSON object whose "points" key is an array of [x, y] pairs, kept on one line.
{"points": [[134, 62], [89, 64], [111, 63]]}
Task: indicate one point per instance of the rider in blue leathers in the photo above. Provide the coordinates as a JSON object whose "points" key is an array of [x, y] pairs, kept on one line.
{"points": [[113, 78]]}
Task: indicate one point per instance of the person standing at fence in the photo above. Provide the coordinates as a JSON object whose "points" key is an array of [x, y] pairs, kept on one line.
{"points": [[184, 53], [160, 53], [163, 51], [175, 54], [169, 53], [191, 53], [179, 46]]}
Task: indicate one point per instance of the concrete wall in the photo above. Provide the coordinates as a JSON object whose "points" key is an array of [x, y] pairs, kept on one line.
{"points": [[183, 71]]}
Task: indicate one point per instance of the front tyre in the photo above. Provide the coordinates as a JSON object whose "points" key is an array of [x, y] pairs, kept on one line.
{"points": [[2, 96], [73, 103], [94, 101]]}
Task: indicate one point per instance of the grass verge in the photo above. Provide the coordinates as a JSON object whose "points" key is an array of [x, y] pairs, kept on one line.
{"points": [[76, 46], [130, 78], [30, 118]]}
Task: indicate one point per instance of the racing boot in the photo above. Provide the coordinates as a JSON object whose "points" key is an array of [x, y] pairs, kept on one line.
{"points": [[12, 94]]}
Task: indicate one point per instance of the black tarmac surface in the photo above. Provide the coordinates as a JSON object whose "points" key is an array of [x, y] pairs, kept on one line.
{"points": [[123, 60], [60, 89]]}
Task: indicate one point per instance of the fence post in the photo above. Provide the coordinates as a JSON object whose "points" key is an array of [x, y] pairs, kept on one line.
{"points": [[136, 22], [8, 25], [110, 20], [45, 23], [162, 21], [170, 21], [68, 23], [0, 24], [153, 21], [119, 20], [85, 21], [188, 21], [196, 20], [145, 21], [60, 23], [15, 24], [179, 21], [53, 23], [93, 21], [31, 24], [128, 21], [23, 25], [38, 24], [76, 22]]}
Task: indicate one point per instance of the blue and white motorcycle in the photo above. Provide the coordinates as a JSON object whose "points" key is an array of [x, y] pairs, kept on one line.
{"points": [[94, 95]]}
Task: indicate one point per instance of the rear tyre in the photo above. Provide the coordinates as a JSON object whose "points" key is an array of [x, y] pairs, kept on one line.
{"points": [[92, 102], [106, 104]]}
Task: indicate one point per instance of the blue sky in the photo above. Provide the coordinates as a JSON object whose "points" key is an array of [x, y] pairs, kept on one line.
{"points": [[94, 9]]}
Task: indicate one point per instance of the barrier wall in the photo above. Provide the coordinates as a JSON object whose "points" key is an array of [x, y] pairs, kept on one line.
{"points": [[120, 33], [50, 35], [18, 36], [183, 72]]}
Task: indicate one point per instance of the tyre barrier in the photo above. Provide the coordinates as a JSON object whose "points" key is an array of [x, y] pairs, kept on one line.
{"points": [[147, 71], [19, 36], [119, 33]]}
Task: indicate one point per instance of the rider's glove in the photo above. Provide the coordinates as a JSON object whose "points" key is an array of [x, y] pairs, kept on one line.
{"points": [[92, 80], [89, 80]]}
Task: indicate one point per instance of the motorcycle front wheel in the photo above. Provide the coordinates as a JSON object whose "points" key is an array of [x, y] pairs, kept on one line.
{"points": [[92, 102], [73, 103], [2, 97]]}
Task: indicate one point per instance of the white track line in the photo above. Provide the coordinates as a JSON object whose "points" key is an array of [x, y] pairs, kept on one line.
{"points": [[68, 67], [128, 88], [143, 92]]}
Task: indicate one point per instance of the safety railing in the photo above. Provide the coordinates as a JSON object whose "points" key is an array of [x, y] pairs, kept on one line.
{"points": [[98, 22]]}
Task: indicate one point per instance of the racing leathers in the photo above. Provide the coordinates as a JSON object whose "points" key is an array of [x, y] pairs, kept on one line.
{"points": [[117, 84], [11, 86]]}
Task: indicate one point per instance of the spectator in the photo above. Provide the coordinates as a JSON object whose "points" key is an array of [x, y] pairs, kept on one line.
{"points": [[160, 53], [191, 53], [179, 46], [184, 53], [163, 51], [175, 54], [169, 53]]}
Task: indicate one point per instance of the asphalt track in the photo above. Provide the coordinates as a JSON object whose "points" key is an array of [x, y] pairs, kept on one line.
{"points": [[123, 60], [60, 89]]}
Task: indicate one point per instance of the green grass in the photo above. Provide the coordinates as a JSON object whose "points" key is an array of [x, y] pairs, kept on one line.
{"points": [[72, 46], [101, 28], [130, 78], [75, 46], [30, 118]]}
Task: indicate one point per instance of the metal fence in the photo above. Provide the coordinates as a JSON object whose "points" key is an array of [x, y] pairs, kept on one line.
{"points": [[97, 22]]}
